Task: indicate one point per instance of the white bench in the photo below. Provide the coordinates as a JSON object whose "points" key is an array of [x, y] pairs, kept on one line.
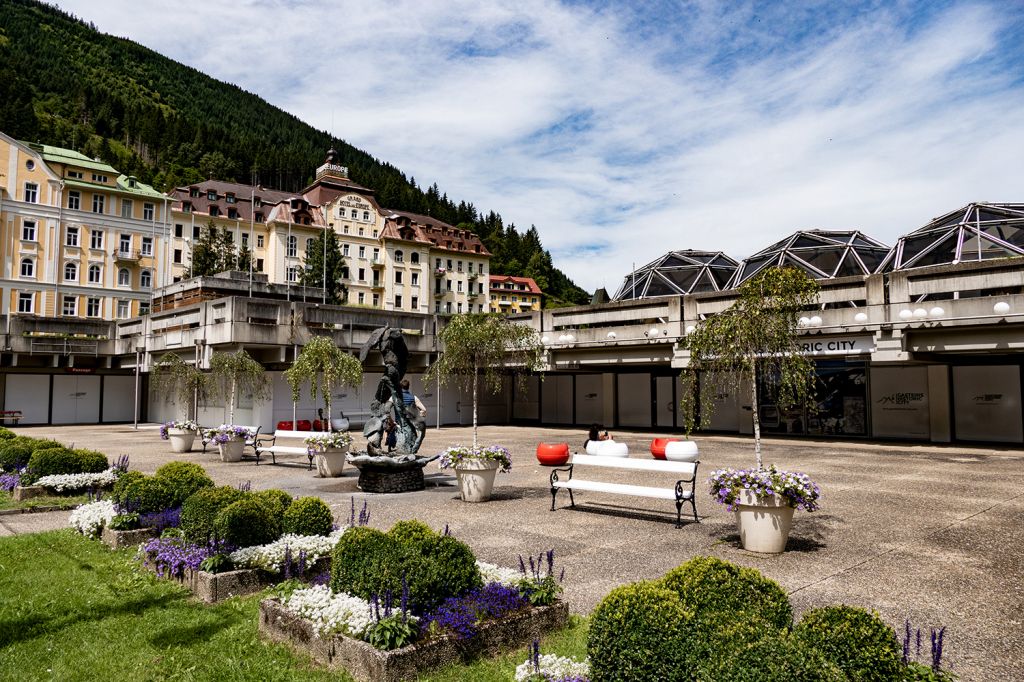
{"points": [[270, 444], [356, 419], [207, 438], [681, 492]]}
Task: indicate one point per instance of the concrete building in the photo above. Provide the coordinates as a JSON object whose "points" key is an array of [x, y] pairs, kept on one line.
{"points": [[511, 295]]}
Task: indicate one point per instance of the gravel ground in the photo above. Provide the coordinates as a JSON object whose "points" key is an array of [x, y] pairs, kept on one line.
{"points": [[928, 533]]}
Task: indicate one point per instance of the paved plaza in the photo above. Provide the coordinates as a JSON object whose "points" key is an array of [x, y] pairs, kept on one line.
{"points": [[933, 534]]}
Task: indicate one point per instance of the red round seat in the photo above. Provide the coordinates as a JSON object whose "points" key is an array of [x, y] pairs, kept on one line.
{"points": [[553, 454], [658, 446]]}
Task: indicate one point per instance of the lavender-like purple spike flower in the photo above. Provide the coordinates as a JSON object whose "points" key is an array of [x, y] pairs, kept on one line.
{"points": [[352, 515], [245, 487], [533, 567], [918, 642], [405, 595], [535, 655], [364, 514], [522, 565], [302, 563], [561, 576], [937, 650], [551, 561], [447, 532], [375, 606], [121, 465], [906, 641], [286, 564]]}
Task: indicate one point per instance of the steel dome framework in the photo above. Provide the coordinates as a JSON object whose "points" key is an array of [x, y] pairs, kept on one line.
{"points": [[975, 232], [678, 273], [822, 254]]}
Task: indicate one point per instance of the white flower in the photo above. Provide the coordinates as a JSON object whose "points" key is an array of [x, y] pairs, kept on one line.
{"points": [[498, 574], [89, 519], [65, 482], [552, 667], [270, 557], [330, 613]]}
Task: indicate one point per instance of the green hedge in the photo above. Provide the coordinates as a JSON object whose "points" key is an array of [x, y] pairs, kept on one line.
{"points": [[277, 501], [755, 651], [14, 456], [199, 512], [60, 460], [308, 516], [640, 631], [137, 493], [181, 480], [856, 641], [7, 434], [246, 522]]}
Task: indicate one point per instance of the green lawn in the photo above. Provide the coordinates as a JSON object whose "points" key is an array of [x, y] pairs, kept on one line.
{"points": [[70, 609], [7, 501]]}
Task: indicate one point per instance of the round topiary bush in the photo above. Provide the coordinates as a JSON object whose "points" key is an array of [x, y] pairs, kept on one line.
{"points": [[367, 562], [639, 631], [46, 444], [411, 531], [52, 461], [182, 480], [753, 650], [277, 501], [91, 461], [308, 516], [856, 641], [715, 590], [7, 434], [136, 493], [245, 523], [13, 456], [200, 510]]}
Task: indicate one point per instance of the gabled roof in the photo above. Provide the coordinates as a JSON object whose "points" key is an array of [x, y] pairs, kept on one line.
{"points": [[976, 232], [413, 227], [243, 198], [72, 158], [496, 280], [822, 254], [677, 273]]}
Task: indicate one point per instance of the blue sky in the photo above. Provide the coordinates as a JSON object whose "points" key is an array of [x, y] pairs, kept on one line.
{"points": [[623, 130]]}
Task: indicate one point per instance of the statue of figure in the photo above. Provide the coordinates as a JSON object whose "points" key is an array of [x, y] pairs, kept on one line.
{"points": [[387, 401]]}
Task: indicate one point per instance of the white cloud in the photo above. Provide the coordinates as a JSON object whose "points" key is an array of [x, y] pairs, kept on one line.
{"points": [[702, 127]]}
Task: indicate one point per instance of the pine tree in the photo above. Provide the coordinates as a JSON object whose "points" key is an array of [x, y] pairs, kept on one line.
{"points": [[213, 252], [313, 268]]}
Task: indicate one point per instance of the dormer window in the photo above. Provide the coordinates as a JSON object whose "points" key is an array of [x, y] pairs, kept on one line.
{"points": [[186, 207], [193, 192], [259, 217], [257, 201], [214, 211], [211, 194], [229, 197], [233, 213]]}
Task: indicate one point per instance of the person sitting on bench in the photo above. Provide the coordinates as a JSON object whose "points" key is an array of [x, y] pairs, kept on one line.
{"points": [[596, 433]]}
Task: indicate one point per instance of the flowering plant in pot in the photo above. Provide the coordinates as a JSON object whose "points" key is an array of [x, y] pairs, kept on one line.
{"points": [[181, 433], [475, 468], [754, 345], [329, 448], [230, 438]]}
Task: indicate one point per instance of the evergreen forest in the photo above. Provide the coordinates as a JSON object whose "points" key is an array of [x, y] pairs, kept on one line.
{"points": [[64, 83]]}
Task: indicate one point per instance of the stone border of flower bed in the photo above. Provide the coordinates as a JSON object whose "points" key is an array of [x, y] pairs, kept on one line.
{"points": [[123, 539], [38, 510], [214, 587], [22, 493], [367, 664]]}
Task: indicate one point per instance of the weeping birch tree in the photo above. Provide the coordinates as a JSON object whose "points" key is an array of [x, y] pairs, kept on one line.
{"points": [[484, 345], [756, 337], [235, 373], [180, 382], [325, 367]]}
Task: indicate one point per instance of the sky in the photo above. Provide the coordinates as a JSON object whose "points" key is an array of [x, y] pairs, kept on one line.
{"points": [[624, 130]]}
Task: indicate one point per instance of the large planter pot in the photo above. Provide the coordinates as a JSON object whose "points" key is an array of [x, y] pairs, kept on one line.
{"points": [[331, 462], [232, 450], [476, 479], [681, 451], [181, 440], [763, 523]]}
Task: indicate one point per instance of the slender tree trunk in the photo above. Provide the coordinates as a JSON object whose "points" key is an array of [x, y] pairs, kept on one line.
{"points": [[475, 383], [231, 402], [327, 399], [756, 413]]}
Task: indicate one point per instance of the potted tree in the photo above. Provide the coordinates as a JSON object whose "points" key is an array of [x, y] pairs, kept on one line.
{"points": [[754, 340], [182, 383], [482, 346], [325, 366], [233, 374]]}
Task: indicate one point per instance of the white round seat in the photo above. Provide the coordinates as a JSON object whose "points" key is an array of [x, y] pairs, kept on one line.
{"points": [[607, 448], [681, 451], [340, 424]]}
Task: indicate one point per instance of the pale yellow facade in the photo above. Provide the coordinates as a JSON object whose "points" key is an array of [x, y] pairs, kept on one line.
{"points": [[510, 296]]}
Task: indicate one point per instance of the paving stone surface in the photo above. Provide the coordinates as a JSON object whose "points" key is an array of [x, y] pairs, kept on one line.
{"points": [[929, 533]]}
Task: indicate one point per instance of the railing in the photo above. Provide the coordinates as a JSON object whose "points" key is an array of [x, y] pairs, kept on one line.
{"points": [[64, 346], [126, 254]]}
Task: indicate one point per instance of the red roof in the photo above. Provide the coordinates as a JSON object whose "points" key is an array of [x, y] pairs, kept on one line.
{"points": [[413, 227], [497, 283]]}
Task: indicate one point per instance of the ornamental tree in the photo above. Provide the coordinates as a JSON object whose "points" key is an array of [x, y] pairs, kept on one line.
{"points": [[488, 345], [181, 382], [756, 336], [316, 266], [235, 372], [324, 366]]}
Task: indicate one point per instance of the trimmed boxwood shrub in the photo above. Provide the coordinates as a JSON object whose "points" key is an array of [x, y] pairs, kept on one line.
{"points": [[308, 516], [717, 591], [91, 461], [367, 562], [753, 651], [7, 434], [136, 493], [60, 460], [200, 510], [14, 456], [277, 501], [640, 631], [411, 530], [246, 522], [858, 642], [46, 444], [182, 480]]}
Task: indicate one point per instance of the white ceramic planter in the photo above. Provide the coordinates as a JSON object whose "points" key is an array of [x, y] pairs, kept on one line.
{"points": [[181, 440], [764, 524], [476, 479], [681, 451], [331, 462], [232, 450]]}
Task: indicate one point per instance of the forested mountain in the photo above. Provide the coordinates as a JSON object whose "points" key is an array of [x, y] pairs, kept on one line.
{"points": [[64, 83]]}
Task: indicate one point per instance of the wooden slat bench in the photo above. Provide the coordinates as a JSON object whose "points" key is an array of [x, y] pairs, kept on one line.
{"points": [[680, 493], [12, 415], [270, 444]]}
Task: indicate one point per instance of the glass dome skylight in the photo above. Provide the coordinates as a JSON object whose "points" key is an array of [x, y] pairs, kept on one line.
{"points": [[822, 254], [677, 273]]}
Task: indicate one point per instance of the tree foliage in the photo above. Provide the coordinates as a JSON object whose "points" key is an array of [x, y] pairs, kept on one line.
{"points": [[313, 268], [215, 252], [181, 382], [756, 337], [64, 83], [487, 345], [324, 366], [234, 373]]}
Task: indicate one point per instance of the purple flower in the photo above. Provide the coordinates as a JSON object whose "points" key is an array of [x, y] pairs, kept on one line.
{"points": [[9, 482], [460, 616], [161, 520], [173, 556]]}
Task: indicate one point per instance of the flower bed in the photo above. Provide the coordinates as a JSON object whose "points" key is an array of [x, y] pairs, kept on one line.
{"points": [[62, 483]]}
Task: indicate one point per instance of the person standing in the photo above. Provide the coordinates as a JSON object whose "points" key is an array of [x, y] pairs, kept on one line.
{"points": [[409, 399]]}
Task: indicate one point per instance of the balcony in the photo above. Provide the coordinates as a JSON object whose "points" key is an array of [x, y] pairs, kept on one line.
{"points": [[377, 285], [440, 272], [376, 262], [473, 276], [126, 255]]}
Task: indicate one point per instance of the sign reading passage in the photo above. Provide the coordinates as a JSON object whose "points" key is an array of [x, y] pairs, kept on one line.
{"points": [[836, 345]]}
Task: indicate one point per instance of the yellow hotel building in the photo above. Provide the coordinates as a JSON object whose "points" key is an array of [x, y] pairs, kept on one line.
{"points": [[78, 238]]}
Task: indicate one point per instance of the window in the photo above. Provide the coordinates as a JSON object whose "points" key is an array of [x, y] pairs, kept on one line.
{"points": [[460, 308], [98, 201], [74, 200], [344, 249], [362, 274], [31, 192], [449, 263], [293, 246], [96, 239], [28, 230], [345, 229], [293, 274], [398, 300], [360, 232], [70, 272], [376, 255], [362, 252], [229, 236], [95, 274], [146, 279], [459, 267], [193, 191], [233, 213], [26, 299], [460, 286], [143, 307], [309, 244], [437, 263], [259, 241], [398, 277], [75, 175], [148, 211], [30, 164], [124, 309], [259, 217], [480, 288], [437, 306], [186, 206], [515, 298], [92, 307], [355, 213], [415, 279], [70, 306], [71, 236], [415, 303], [179, 230], [99, 178], [448, 285], [147, 246], [245, 240], [214, 211], [211, 195], [28, 267], [125, 244], [366, 215], [229, 197], [257, 202], [469, 266], [376, 300], [196, 232], [362, 298], [399, 257], [124, 278], [126, 208], [415, 258], [448, 307], [259, 265]]}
